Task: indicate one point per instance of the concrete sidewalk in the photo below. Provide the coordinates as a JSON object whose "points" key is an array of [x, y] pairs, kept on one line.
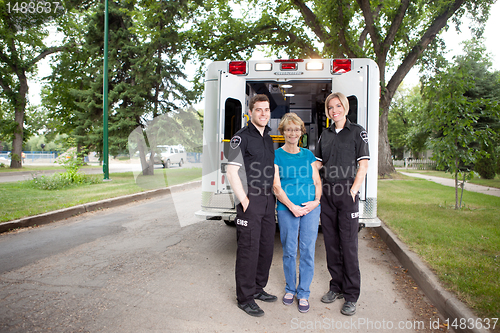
{"points": [[451, 182]]}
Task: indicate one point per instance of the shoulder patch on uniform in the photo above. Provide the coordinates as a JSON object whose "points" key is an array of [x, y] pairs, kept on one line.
{"points": [[364, 136], [235, 142]]}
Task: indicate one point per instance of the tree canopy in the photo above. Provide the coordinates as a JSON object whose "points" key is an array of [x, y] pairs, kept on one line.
{"points": [[396, 34], [463, 112]]}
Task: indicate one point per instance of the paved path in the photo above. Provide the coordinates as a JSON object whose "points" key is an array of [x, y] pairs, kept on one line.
{"points": [[451, 182]]}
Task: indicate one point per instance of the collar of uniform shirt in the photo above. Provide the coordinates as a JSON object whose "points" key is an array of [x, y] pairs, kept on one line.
{"points": [[252, 127], [346, 125]]}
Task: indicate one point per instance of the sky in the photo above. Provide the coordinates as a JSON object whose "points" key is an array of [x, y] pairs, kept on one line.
{"points": [[452, 38]]}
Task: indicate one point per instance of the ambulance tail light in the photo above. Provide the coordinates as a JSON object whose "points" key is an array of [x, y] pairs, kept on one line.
{"points": [[238, 67], [289, 64], [223, 179], [340, 66]]}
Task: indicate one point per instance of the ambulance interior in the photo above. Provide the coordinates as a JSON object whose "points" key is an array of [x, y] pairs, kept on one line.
{"points": [[304, 97]]}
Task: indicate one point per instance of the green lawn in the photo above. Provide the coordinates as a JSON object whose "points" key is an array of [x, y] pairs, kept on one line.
{"points": [[20, 200], [461, 246]]}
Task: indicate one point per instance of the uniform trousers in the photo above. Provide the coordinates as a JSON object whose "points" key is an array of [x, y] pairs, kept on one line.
{"points": [[255, 231], [339, 222]]}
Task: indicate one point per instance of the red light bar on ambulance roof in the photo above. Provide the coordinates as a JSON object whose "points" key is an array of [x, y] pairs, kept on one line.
{"points": [[238, 67], [289, 60], [289, 64], [341, 66]]}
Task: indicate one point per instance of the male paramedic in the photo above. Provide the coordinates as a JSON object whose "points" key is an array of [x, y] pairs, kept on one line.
{"points": [[250, 172]]}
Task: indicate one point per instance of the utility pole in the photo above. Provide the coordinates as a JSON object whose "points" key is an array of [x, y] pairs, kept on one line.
{"points": [[105, 150]]}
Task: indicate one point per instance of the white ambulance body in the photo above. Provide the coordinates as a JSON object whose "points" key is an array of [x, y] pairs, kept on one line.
{"points": [[295, 85]]}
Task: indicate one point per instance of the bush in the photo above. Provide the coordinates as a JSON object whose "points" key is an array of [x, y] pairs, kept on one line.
{"points": [[485, 167], [63, 180], [71, 177]]}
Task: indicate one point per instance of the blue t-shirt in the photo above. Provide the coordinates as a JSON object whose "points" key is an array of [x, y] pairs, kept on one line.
{"points": [[296, 175]]}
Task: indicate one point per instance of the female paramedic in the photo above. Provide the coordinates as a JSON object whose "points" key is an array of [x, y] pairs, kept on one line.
{"points": [[342, 151], [297, 186]]}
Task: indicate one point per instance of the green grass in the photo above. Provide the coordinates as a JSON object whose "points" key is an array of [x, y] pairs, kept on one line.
{"points": [[19, 199], [478, 181], [461, 246]]}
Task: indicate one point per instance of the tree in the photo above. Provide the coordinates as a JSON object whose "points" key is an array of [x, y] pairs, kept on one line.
{"points": [[21, 48], [463, 112], [145, 73], [405, 132], [396, 34]]}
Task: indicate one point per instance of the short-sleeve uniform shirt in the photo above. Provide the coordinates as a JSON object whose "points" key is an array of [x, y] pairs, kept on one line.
{"points": [[254, 153], [340, 152]]}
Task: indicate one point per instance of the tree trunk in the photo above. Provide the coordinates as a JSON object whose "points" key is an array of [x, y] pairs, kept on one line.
{"points": [[385, 166], [16, 161]]}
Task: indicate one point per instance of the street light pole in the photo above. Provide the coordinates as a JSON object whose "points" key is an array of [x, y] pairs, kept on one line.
{"points": [[105, 153]]}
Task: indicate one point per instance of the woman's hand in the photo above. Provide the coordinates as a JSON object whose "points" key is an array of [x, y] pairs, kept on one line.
{"points": [[298, 211], [310, 205], [353, 195]]}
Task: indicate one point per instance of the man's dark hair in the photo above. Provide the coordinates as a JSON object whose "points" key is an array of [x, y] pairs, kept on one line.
{"points": [[258, 98]]}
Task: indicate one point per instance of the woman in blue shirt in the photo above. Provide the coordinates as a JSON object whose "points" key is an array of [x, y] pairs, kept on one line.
{"points": [[297, 186]]}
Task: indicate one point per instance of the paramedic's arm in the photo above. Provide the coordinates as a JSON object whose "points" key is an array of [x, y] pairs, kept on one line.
{"points": [[236, 185], [297, 211], [318, 164], [360, 176]]}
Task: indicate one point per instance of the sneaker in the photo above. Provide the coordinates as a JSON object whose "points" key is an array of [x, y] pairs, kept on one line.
{"points": [[349, 308], [303, 305], [288, 299], [265, 297], [252, 309], [331, 296]]}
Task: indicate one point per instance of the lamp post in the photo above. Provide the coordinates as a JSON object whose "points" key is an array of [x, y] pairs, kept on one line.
{"points": [[105, 153]]}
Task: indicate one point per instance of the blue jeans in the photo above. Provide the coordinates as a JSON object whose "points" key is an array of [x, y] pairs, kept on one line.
{"points": [[290, 228]]}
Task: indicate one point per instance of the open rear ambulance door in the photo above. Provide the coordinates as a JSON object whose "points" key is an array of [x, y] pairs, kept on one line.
{"points": [[357, 87], [232, 107]]}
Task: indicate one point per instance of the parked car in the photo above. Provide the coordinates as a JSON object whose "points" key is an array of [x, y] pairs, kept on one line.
{"points": [[169, 155], [5, 161]]}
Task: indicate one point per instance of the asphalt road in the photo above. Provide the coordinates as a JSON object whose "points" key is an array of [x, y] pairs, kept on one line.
{"points": [[152, 266]]}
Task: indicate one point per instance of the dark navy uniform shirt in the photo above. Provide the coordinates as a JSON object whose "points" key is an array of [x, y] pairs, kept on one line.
{"points": [[254, 153], [340, 152]]}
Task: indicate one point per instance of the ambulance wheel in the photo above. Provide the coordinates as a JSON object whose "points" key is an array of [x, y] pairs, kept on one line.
{"points": [[229, 223]]}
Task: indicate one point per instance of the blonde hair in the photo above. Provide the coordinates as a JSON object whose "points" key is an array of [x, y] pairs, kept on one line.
{"points": [[343, 100], [288, 118]]}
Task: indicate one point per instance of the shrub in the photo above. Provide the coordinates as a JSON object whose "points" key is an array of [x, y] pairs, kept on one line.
{"points": [[71, 177], [486, 167]]}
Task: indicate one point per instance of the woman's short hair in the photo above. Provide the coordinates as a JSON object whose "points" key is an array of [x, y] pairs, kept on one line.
{"points": [[343, 100], [288, 118]]}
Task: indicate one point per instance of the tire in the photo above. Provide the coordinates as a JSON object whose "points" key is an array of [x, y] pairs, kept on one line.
{"points": [[167, 164], [181, 163], [229, 223]]}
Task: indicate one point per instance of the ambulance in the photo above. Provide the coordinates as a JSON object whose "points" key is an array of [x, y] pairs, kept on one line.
{"points": [[292, 85]]}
